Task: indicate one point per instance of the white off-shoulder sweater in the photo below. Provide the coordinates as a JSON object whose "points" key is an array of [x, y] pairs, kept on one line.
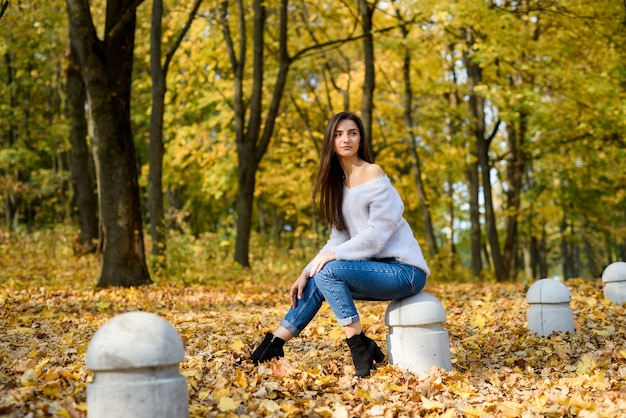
{"points": [[375, 226]]}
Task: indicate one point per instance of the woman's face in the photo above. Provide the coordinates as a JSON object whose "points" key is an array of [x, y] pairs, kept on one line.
{"points": [[347, 138]]}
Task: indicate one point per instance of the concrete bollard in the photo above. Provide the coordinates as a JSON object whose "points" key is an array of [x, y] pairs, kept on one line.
{"points": [[416, 340], [614, 279], [135, 362], [549, 309]]}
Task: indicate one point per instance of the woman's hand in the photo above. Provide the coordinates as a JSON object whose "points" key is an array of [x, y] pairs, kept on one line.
{"points": [[320, 260], [295, 293]]}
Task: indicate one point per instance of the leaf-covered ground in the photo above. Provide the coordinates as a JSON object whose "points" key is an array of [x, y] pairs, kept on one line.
{"points": [[49, 311]]}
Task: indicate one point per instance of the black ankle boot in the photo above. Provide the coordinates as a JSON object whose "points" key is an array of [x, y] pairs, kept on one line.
{"points": [[270, 348], [364, 352]]}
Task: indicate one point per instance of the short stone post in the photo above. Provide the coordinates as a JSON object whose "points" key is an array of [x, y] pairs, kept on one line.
{"points": [[614, 278], [549, 309], [416, 340], [135, 362]]}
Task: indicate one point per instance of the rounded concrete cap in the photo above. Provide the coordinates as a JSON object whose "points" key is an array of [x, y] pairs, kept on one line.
{"points": [[420, 309], [548, 291], [134, 340], [615, 272]]}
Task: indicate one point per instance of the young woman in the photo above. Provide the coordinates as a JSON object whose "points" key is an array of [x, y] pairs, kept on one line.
{"points": [[371, 253]]}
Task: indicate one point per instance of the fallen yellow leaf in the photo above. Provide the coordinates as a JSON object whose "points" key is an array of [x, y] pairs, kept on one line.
{"points": [[227, 404], [429, 404], [271, 406], [237, 344]]}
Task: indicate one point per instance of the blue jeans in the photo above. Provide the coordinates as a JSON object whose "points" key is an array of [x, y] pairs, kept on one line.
{"points": [[340, 283]]}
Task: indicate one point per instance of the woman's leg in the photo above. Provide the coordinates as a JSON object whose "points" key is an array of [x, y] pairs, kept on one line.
{"points": [[283, 333], [342, 282], [296, 319], [353, 329]]}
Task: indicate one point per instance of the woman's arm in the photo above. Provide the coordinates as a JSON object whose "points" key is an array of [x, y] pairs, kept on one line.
{"points": [[336, 238]]}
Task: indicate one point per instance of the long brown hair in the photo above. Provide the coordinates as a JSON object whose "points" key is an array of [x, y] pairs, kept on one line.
{"points": [[330, 175]]}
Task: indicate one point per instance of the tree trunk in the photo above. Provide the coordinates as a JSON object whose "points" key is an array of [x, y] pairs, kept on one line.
{"points": [[156, 148], [107, 67], [158, 73], [474, 213], [515, 174], [451, 225], [528, 258], [590, 251], [83, 173], [245, 198], [621, 245], [485, 172], [542, 253], [473, 200], [477, 109], [416, 171], [253, 137], [369, 82], [566, 256], [454, 101], [12, 201]]}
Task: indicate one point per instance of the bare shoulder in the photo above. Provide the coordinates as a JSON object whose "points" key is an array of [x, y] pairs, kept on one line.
{"points": [[372, 171]]}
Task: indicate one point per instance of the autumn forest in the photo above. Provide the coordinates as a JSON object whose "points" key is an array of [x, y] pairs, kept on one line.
{"points": [[160, 155]]}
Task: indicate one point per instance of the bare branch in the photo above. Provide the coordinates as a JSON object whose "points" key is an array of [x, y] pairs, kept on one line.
{"points": [[227, 35], [181, 35], [5, 5], [335, 42], [494, 132]]}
